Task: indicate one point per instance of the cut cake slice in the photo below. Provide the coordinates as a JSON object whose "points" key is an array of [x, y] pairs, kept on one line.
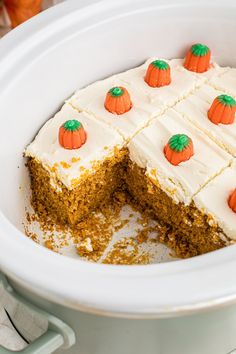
{"points": [[183, 82], [69, 184], [168, 191], [91, 99], [195, 108], [213, 201]]}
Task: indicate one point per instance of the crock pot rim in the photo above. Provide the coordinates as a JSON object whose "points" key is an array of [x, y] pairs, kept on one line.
{"points": [[110, 298]]}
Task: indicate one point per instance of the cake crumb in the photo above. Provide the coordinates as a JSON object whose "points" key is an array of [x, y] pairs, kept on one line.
{"points": [[54, 167], [75, 159], [49, 244], [85, 247], [126, 252], [65, 164]]}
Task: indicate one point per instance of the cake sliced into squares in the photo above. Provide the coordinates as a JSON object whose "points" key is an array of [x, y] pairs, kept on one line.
{"points": [[147, 101], [195, 109], [213, 200], [92, 99], [164, 133], [75, 163], [167, 190], [225, 82]]}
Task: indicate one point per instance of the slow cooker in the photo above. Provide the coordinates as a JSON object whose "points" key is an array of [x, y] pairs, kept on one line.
{"points": [[185, 306]]}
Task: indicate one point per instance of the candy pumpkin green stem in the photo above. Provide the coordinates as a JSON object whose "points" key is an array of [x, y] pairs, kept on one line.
{"points": [[198, 58], [232, 200], [158, 74], [118, 100], [72, 135], [178, 149], [222, 110]]}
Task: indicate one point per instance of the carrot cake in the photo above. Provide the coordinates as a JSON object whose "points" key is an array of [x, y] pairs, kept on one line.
{"points": [[164, 133]]}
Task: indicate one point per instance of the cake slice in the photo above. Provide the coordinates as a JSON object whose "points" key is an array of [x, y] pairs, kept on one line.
{"points": [[213, 201], [183, 82], [68, 182], [167, 190], [92, 99], [195, 109]]}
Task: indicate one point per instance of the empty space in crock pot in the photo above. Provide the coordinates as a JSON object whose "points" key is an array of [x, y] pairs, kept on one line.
{"points": [[132, 239], [116, 237]]}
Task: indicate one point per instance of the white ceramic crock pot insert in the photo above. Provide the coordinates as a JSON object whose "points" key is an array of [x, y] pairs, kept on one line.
{"points": [[42, 63]]}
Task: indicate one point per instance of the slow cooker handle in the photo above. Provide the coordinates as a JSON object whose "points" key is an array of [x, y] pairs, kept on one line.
{"points": [[46, 344], [58, 334]]}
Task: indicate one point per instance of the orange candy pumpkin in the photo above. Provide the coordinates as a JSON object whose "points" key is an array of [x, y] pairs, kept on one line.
{"points": [[222, 110], [232, 200], [118, 100], [72, 135], [178, 149], [21, 10], [158, 74], [198, 58]]}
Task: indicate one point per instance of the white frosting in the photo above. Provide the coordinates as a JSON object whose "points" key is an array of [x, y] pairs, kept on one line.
{"points": [[148, 102], [213, 200], [183, 82], [214, 71], [101, 140], [91, 99], [226, 82], [195, 109], [180, 182]]}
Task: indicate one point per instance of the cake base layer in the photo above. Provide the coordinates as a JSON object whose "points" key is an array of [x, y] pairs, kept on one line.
{"points": [[70, 206], [189, 231], [185, 229]]}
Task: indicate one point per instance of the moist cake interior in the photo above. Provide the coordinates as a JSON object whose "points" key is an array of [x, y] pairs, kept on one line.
{"points": [[188, 231], [71, 206]]}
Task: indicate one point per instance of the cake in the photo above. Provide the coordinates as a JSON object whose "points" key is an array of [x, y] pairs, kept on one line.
{"points": [[213, 200], [195, 108], [63, 179], [163, 133], [91, 100], [169, 191], [148, 102]]}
